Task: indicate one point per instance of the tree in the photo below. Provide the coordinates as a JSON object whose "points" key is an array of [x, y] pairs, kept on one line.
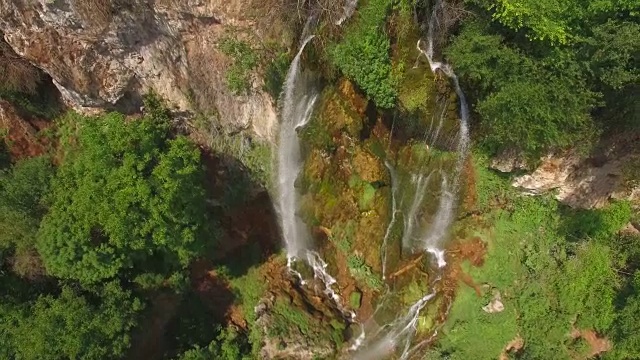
{"points": [[23, 188], [127, 198], [625, 331], [73, 325], [531, 103], [229, 345]]}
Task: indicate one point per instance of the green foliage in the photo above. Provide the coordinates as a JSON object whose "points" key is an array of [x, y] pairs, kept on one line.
{"points": [[228, 345], [365, 192], [74, 327], [244, 60], [363, 272], [599, 224], [363, 54], [625, 331], [275, 75], [518, 95], [288, 320], [525, 114], [250, 288], [355, 299], [23, 188], [552, 20], [125, 198], [615, 51], [592, 272], [551, 277], [5, 157], [255, 155]]}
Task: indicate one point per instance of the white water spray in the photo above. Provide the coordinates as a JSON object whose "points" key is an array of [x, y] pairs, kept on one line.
{"points": [[397, 334], [320, 272]]}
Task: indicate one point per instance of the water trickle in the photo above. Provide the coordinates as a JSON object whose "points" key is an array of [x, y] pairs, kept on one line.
{"points": [[394, 212], [431, 240], [348, 9], [412, 216]]}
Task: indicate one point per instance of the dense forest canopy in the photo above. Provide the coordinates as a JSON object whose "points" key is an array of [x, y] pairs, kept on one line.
{"points": [[105, 233]]}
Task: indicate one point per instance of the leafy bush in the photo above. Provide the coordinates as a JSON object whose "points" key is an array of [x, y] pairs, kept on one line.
{"points": [[72, 326], [23, 188], [126, 197], [363, 54], [518, 96], [244, 60]]}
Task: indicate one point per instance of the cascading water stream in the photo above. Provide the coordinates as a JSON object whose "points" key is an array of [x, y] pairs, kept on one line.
{"points": [[298, 102], [296, 111], [430, 241], [400, 332]]}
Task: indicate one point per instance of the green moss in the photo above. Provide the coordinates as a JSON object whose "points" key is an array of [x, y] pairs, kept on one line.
{"points": [[355, 300], [363, 272]]}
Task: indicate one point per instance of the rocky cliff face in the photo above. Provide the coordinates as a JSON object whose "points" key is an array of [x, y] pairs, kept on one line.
{"points": [[106, 53], [611, 172]]}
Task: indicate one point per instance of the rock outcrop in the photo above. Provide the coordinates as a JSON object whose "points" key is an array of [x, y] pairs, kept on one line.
{"points": [[611, 172], [107, 53]]}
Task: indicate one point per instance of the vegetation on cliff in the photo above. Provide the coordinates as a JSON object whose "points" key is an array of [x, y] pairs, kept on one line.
{"points": [[149, 236]]}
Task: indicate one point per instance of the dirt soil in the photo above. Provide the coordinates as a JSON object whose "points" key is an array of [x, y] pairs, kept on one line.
{"points": [[597, 344], [22, 134]]}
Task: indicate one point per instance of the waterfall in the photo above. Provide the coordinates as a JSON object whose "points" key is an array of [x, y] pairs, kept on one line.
{"points": [[296, 111], [348, 9], [398, 335], [299, 99], [431, 240]]}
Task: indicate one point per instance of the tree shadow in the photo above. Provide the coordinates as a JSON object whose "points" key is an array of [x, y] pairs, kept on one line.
{"points": [[247, 234]]}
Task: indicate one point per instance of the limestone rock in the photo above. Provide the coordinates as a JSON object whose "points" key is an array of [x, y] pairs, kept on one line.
{"points": [[508, 161], [495, 305], [108, 55], [589, 182]]}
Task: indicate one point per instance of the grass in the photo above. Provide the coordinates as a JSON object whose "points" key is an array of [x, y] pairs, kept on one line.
{"points": [[549, 278], [289, 319], [249, 288]]}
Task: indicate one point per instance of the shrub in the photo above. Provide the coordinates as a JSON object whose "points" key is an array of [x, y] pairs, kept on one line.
{"points": [[126, 197], [244, 60], [363, 55]]}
